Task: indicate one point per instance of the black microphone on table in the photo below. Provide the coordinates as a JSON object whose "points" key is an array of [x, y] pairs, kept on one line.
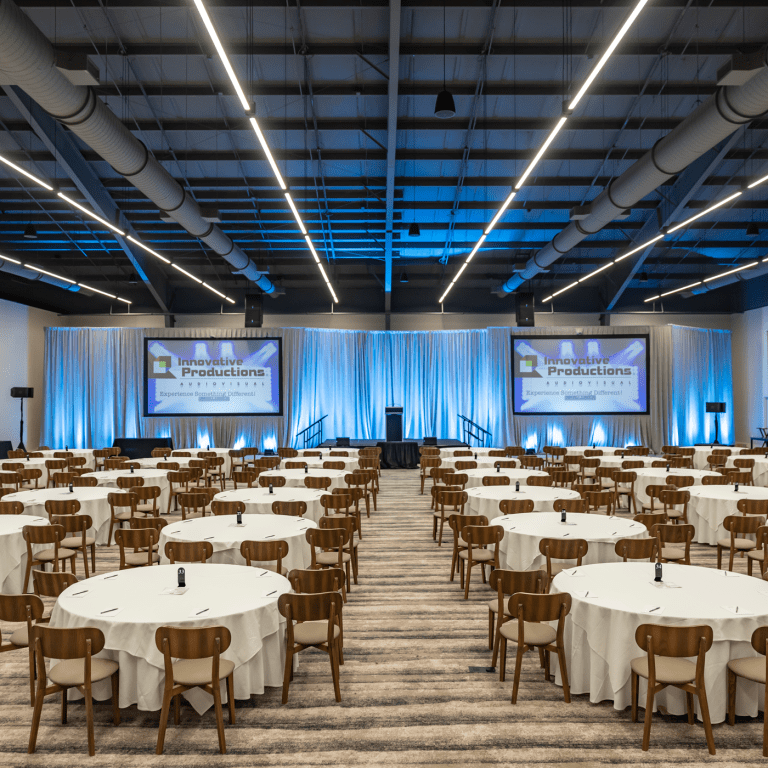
{"points": [[270, 487], [66, 447], [27, 457], [667, 467], [475, 457], [658, 572], [517, 486], [182, 581], [239, 517], [306, 469], [562, 515], [498, 467], [131, 468], [71, 488], [735, 487]]}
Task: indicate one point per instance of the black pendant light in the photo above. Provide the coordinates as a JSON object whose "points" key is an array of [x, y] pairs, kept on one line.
{"points": [[30, 233], [444, 104], [413, 230]]}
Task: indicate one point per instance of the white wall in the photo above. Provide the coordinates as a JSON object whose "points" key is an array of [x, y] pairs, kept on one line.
{"points": [[750, 372], [22, 341]]}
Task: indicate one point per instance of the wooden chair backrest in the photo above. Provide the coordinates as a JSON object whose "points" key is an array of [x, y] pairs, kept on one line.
{"points": [[16, 608], [276, 481], [673, 534], [11, 507], [515, 506], [42, 534], [317, 482], [539, 480], [52, 584], [651, 519], [570, 505], [737, 524], [677, 642], [193, 643], [289, 508], [188, 551], [496, 480], [540, 607], [59, 643], [264, 551], [295, 465], [564, 549], [753, 506], [637, 549], [313, 581], [317, 606]]}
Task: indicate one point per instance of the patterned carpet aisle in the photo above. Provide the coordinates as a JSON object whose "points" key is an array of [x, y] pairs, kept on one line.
{"points": [[408, 696]]}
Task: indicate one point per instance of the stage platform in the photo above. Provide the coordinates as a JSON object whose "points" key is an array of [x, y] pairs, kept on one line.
{"points": [[402, 454]]}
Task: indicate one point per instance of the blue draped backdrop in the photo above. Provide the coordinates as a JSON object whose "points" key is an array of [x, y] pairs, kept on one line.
{"points": [[93, 388]]}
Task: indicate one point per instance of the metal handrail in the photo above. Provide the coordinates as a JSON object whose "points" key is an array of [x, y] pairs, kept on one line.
{"points": [[318, 433], [466, 428]]}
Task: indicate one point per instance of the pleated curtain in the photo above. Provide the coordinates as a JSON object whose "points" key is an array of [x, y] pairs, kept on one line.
{"points": [[93, 388]]}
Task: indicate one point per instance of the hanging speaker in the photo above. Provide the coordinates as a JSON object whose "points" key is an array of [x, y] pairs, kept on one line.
{"points": [[254, 310], [524, 309], [19, 392]]}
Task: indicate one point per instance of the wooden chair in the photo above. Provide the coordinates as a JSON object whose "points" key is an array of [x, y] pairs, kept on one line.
{"points": [[592, 452], [715, 460], [746, 465], [11, 507], [604, 477], [759, 555], [332, 543], [85, 481], [515, 506], [276, 481], [624, 485], [674, 534], [714, 480], [287, 453], [60, 479], [666, 663], [652, 492], [562, 550], [318, 483], [137, 547], [587, 468], [528, 625], [200, 469], [374, 465], [148, 496], [456, 523], [505, 464], [182, 454], [113, 463], [637, 549], [452, 499], [149, 523], [562, 478], [53, 466], [360, 487], [17, 609], [168, 466], [287, 508], [459, 479], [199, 665], [514, 450], [160, 453], [244, 478], [193, 504], [52, 584], [531, 462], [462, 452], [188, 551], [570, 506], [601, 501], [99, 455], [739, 527], [539, 480], [649, 519], [371, 483], [342, 501], [460, 466], [76, 529], [30, 479], [334, 465], [129, 483], [214, 469], [497, 454], [630, 464], [479, 538], [507, 583], [638, 450], [296, 465], [237, 461], [681, 481], [313, 621], [753, 507], [496, 480], [55, 555], [350, 524], [76, 667], [752, 668], [675, 505], [742, 478], [266, 554], [178, 482], [122, 507]]}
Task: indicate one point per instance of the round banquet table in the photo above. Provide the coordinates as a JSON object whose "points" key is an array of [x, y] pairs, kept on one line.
{"points": [[152, 463], [158, 477], [354, 453], [475, 476], [13, 551], [258, 501], [578, 450], [658, 476], [700, 453], [349, 464], [483, 462], [294, 478], [760, 470], [600, 629], [615, 462], [519, 550], [711, 504], [447, 452], [226, 536], [93, 502], [221, 452], [31, 464], [485, 500], [242, 599], [90, 462]]}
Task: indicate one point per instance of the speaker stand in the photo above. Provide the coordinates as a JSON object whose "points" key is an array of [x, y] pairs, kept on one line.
{"points": [[717, 429], [21, 427]]}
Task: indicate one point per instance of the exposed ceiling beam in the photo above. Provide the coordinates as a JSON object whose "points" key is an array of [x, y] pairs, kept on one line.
{"points": [[63, 149], [356, 4]]}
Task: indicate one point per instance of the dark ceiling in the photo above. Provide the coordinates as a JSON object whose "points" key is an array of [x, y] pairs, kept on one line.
{"points": [[318, 75]]}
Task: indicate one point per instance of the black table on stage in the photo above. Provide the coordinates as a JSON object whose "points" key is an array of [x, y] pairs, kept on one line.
{"points": [[141, 447], [396, 454]]}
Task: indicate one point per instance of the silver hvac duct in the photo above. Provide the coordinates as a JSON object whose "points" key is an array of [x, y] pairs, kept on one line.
{"points": [[28, 60], [30, 274], [712, 285], [719, 116]]}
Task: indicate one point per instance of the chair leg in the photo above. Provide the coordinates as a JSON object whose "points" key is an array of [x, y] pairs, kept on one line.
{"points": [[93, 557], [109, 537], [231, 697], [491, 622], [116, 698], [64, 707], [648, 716], [219, 716], [177, 709], [564, 675], [27, 573], [518, 667], [719, 557], [434, 528], [31, 676], [730, 559], [731, 698], [287, 674], [39, 698], [88, 718], [85, 560], [689, 707], [765, 724], [635, 680], [704, 706], [454, 558], [442, 524], [502, 657], [334, 651], [466, 580]]}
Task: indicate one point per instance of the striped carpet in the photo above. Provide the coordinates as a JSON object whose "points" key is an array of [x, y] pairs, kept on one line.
{"points": [[411, 693]]}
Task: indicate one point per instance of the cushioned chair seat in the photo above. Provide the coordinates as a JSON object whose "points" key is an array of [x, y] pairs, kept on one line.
{"points": [[672, 553], [200, 671], [668, 669], [558, 567], [331, 558], [313, 632], [757, 555], [73, 542], [462, 543], [146, 507], [674, 514], [742, 544], [533, 633], [49, 554], [28, 487], [20, 637], [123, 515], [478, 555], [140, 558], [493, 605], [752, 668], [72, 671]]}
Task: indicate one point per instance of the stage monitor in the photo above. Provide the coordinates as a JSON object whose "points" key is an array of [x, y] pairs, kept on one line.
{"points": [[213, 377], [580, 375], [715, 407]]}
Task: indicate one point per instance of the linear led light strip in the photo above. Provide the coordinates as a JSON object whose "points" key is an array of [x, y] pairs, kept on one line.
{"points": [[115, 229], [705, 280], [653, 240], [260, 136], [553, 133]]}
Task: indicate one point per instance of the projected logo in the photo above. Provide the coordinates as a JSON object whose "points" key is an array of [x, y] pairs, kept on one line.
{"points": [[527, 366], [161, 368]]}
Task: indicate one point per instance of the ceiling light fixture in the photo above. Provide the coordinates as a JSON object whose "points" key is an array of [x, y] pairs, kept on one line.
{"points": [[20, 170], [50, 274], [444, 105], [91, 214], [222, 53], [295, 211], [703, 213], [30, 233], [265, 147], [752, 230], [500, 212], [540, 153], [404, 277], [414, 230]]}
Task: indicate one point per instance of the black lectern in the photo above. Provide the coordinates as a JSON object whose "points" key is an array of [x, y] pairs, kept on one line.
{"points": [[394, 424], [717, 409]]}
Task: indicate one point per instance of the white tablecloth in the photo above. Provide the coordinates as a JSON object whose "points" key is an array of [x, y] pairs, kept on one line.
{"points": [[485, 501], [220, 452], [578, 450], [93, 502], [32, 464], [86, 452], [475, 476], [294, 478], [615, 462], [702, 451], [158, 477], [760, 470], [600, 632], [658, 476], [241, 599], [448, 452], [519, 550], [152, 463], [354, 453], [349, 464], [711, 504], [226, 536], [483, 462], [13, 552], [258, 501]]}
